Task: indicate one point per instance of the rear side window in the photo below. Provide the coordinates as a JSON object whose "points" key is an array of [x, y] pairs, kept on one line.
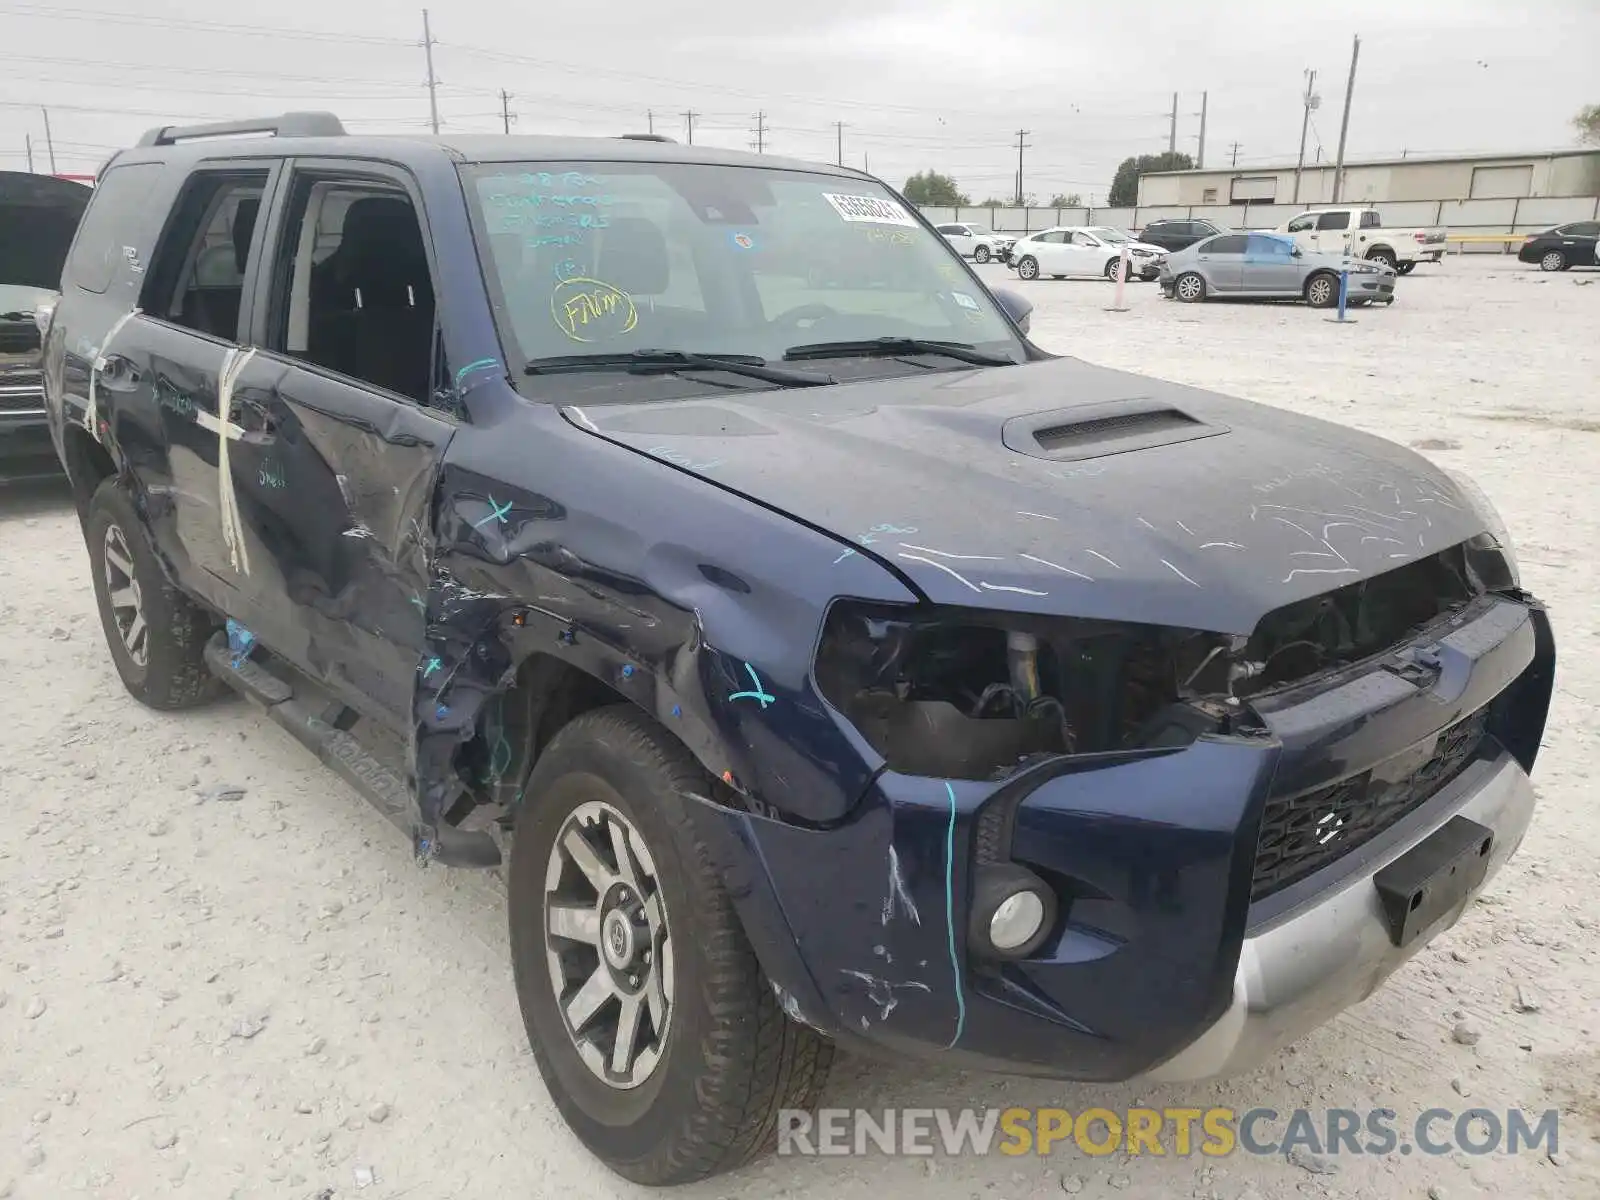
{"points": [[106, 234], [1369, 220], [1232, 243], [197, 278], [1334, 220], [1583, 229]]}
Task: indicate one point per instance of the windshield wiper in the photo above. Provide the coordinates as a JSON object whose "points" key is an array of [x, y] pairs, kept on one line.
{"points": [[961, 351], [644, 362]]}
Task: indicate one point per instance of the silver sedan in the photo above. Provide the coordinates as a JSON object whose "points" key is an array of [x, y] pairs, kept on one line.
{"points": [[1258, 265]]}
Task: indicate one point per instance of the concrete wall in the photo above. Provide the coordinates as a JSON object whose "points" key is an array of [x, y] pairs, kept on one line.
{"points": [[1513, 217], [1508, 177]]}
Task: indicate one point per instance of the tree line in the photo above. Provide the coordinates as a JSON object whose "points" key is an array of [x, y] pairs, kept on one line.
{"points": [[933, 189]]}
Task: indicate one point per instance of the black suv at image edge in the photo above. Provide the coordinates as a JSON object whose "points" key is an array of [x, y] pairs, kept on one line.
{"points": [[693, 533]]}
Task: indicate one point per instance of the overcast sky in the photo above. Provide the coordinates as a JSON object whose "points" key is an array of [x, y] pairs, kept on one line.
{"points": [[929, 84]]}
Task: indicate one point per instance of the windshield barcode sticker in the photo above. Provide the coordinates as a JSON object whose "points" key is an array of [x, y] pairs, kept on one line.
{"points": [[869, 208]]}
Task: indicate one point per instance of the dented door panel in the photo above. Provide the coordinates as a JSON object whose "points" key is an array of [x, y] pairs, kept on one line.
{"points": [[334, 482]]}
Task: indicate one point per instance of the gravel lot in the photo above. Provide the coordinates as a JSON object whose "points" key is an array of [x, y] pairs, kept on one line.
{"points": [[258, 997]]}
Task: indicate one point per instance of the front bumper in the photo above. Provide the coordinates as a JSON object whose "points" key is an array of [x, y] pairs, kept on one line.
{"points": [[26, 451], [1307, 967], [1161, 963]]}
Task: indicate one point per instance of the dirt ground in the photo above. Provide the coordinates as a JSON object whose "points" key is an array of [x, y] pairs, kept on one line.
{"points": [[263, 997]]}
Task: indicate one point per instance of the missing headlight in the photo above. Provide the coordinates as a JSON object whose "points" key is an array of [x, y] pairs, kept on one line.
{"points": [[968, 694]]}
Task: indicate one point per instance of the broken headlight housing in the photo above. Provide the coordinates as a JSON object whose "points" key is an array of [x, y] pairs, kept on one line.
{"points": [[1494, 524], [972, 694]]}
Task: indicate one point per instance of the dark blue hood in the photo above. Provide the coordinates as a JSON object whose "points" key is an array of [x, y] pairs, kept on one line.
{"points": [[1061, 487]]}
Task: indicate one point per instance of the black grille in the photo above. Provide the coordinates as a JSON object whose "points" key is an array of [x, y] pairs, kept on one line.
{"points": [[1301, 834]]}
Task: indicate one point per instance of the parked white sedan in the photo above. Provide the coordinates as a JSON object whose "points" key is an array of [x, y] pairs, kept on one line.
{"points": [[1084, 250], [974, 243]]}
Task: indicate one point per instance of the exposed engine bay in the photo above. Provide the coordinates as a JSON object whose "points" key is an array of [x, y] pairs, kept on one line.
{"points": [[970, 694]]}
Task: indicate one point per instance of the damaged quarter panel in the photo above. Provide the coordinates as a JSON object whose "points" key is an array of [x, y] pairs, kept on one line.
{"points": [[691, 602]]}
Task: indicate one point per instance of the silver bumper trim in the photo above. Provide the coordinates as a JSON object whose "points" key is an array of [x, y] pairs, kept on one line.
{"points": [[1335, 951]]}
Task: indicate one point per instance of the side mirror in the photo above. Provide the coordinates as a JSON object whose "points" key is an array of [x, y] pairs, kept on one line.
{"points": [[1019, 308]]}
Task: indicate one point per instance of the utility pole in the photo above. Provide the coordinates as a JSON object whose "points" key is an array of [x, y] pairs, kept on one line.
{"points": [[1200, 158], [1312, 100], [1344, 122], [1235, 148], [761, 132], [1021, 146], [689, 117], [27, 141], [838, 127], [1172, 132], [433, 83], [49, 142], [506, 115]]}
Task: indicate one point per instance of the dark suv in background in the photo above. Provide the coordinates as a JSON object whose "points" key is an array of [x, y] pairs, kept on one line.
{"points": [[38, 216], [1179, 235]]}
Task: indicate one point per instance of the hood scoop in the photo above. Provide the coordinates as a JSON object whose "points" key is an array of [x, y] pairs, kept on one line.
{"points": [[1099, 430]]}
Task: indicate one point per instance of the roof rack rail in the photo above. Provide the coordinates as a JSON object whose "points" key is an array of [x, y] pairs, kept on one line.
{"points": [[292, 124], [645, 137]]}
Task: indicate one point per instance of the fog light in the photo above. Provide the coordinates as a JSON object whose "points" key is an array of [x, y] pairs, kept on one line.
{"points": [[1013, 911], [1016, 922]]}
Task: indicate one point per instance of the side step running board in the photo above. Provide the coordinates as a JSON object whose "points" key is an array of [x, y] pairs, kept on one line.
{"points": [[319, 732]]}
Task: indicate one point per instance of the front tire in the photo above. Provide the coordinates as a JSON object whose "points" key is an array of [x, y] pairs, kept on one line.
{"points": [[1027, 267], [609, 882], [1322, 290], [157, 635], [1553, 260], [1189, 288], [982, 254]]}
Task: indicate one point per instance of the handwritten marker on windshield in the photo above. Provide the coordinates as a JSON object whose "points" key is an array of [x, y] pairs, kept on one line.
{"points": [[1122, 279]]}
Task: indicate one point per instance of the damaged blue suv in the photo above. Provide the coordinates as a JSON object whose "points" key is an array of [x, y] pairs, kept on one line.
{"points": [[695, 534]]}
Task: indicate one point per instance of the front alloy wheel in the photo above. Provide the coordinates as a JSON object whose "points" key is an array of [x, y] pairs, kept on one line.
{"points": [[982, 254], [1322, 291], [1553, 260], [607, 945], [1028, 268]]}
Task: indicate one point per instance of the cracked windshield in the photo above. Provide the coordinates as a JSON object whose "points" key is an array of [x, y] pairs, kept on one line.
{"points": [[617, 258]]}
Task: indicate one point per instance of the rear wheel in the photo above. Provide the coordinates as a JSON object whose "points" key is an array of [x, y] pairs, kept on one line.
{"points": [[1322, 290], [1406, 268], [982, 254], [1028, 267], [1113, 266], [1553, 260], [1384, 256], [1189, 288], [660, 1040], [156, 634]]}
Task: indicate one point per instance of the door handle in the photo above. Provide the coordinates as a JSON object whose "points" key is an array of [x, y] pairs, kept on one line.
{"points": [[119, 373]]}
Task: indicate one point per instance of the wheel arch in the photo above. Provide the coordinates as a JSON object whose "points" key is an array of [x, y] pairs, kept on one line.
{"points": [[88, 465]]}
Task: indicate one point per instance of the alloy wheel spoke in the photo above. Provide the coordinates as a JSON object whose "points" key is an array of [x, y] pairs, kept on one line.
{"points": [[577, 846], [136, 631], [124, 597], [575, 922], [589, 998], [622, 1050]]}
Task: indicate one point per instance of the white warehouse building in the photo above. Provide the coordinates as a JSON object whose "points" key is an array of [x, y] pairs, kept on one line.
{"points": [[1551, 173]]}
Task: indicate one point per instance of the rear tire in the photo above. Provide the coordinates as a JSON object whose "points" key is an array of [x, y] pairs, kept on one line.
{"points": [[982, 254], [724, 1059], [1027, 267], [1189, 287], [1385, 257], [1322, 290], [1406, 268], [1111, 268], [1553, 260], [157, 635]]}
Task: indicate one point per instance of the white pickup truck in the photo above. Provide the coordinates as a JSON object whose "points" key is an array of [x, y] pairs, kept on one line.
{"points": [[1360, 232]]}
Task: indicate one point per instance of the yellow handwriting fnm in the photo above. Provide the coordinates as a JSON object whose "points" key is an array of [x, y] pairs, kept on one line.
{"points": [[588, 310]]}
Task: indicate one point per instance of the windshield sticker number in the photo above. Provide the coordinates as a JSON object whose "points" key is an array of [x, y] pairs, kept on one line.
{"points": [[589, 310], [869, 209]]}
